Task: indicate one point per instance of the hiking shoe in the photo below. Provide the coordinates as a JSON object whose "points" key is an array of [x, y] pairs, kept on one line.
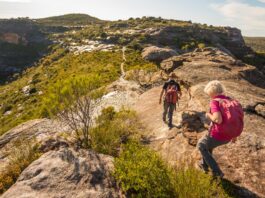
{"points": [[170, 126]]}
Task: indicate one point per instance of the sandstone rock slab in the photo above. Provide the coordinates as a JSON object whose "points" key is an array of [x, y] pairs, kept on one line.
{"points": [[157, 54], [66, 173]]}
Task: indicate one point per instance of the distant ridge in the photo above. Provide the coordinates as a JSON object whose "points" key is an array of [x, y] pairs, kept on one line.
{"points": [[69, 20]]}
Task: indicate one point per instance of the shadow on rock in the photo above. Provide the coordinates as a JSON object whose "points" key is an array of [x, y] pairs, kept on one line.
{"points": [[254, 76], [236, 191], [192, 125]]}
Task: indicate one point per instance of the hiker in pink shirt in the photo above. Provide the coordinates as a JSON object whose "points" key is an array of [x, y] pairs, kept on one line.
{"points": [[226, 116]]}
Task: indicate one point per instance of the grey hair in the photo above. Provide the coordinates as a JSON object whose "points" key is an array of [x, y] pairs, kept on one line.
{"points": [[214, 87]]}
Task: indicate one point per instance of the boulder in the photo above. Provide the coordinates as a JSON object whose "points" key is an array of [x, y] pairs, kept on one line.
{"points": [[66, 173], [39, 129], [157, 54], [27, 90], [146, 78], [172, 63], [260, 109]]}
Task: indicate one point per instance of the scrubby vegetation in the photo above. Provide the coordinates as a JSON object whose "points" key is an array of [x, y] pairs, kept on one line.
{"points": [[55, 68], [142, 173], [69, 20], [21, 153], [134, 61], [70, 101], [114, 128]]}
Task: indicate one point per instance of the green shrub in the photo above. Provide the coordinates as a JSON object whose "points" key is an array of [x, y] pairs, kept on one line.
{"points": [[64, 93], [140, 172], [201, 45], [98, 93], [134, 60], [114, 128], [193, 183], [70, 101], [21, 154]]}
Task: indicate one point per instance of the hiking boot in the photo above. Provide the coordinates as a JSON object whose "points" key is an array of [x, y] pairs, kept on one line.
{"points": [[170, 126]]}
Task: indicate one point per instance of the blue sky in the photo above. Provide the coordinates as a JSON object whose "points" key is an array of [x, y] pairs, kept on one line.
{"points": [[248, 15]]}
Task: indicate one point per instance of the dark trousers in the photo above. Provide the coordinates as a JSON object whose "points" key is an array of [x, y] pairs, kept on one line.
{"points": [[206, 145], [168, 111]]}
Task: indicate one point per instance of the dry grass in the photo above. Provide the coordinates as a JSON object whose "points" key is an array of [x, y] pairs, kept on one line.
{"points": [[21, 154]]}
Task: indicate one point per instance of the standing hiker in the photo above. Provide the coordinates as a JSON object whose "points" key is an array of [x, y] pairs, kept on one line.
{"points": [[226, 116], [171, 92]]}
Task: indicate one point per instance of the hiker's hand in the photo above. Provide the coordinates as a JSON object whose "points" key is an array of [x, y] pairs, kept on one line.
{"points": [[208, 115], [234, 140]]}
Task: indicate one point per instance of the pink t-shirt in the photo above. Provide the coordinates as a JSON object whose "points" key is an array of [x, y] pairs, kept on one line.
{"points": [[215, 128]]}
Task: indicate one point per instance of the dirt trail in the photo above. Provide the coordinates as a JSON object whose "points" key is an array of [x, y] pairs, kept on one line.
{"points": [[122, 64]]}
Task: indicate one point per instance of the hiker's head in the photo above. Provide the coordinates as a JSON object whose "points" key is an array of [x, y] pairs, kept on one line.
{"points": [[214, 88], [172, 75]]}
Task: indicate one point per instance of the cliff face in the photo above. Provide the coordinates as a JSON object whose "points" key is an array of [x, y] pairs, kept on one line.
{"points": [[26, 31], [21, 44], [225, 38]]}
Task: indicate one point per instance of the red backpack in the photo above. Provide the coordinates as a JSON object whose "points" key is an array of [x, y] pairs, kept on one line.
{"points": [[172, 94], [233, 117]]}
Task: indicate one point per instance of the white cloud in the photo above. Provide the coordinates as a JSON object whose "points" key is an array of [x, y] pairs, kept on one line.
{"points": [[246, 17], [262, 1], [16, 1]]}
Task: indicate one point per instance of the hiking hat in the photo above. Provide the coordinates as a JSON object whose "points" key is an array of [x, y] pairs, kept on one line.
{"points": [[172, 75]]}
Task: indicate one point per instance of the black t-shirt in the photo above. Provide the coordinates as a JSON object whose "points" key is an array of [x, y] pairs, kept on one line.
{"points": [[171, 82]]}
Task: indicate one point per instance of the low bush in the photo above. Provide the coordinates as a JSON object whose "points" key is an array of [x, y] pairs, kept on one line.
{"points": [[21, 154], [114, 128], [193, 183], [65, 93], [140, 172]]}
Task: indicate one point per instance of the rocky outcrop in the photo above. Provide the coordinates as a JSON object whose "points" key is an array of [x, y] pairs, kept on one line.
{"points": [[145, 78], [66, 173], [39, 129], [222, 37], [171, 64], [157, 54], [22, 43], [260, 109]]}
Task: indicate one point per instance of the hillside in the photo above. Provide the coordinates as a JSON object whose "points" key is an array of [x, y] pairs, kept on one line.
{"points": [[124, 149], [256, 43], [68, 20], [70, 56]]}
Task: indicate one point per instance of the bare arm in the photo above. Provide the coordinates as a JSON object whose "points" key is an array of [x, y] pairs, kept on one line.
{"points": [[180, 93], [161, 95], [216, 117]]}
